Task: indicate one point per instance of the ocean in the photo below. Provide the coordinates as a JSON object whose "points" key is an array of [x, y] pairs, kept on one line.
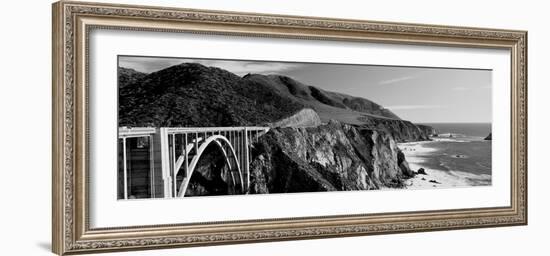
{"points": [[462, 129], [459, 156]]}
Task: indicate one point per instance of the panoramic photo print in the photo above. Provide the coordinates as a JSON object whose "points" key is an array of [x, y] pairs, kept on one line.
{"points": [[204, 127]]}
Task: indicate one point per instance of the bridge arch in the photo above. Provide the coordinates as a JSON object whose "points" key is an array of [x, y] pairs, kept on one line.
{"points": [[219, 141]]}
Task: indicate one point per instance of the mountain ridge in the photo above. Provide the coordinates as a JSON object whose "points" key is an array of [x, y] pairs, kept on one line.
{"points": [[323, 101], [191, 94]]}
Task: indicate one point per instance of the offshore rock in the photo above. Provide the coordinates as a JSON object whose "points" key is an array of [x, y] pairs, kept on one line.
{"points": [[331, 157], [422, 171]]}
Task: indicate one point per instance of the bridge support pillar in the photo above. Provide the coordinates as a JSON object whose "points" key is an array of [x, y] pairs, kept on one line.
{"points": [[164, 155], [246, 178], [157, 184]]}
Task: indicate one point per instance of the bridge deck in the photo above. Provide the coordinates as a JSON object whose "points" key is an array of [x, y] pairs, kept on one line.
{"points": [[173, 149]]}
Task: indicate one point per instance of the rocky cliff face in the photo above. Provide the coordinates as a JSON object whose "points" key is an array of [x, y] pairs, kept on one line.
{"points": [[401, 130], [426, 129], [330, 157]]}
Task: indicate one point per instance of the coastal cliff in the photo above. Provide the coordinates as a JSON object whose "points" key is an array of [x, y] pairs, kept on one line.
{"points": [[329, 157], [318, 141], [400, 130], [191, 94], [427, 130]]}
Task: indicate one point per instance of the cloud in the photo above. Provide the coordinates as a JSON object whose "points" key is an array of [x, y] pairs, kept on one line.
{"points": [[395, 80], [412, 107], [241, 68]]}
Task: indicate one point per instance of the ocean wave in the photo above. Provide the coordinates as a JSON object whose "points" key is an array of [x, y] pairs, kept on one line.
{"points": [[457, 138], [421, 155], [437, 139], [473, 179], [451, 135], [437, 178]]}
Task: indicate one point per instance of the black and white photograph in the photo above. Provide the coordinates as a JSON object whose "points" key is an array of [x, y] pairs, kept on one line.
{"points": [[203, 127]]}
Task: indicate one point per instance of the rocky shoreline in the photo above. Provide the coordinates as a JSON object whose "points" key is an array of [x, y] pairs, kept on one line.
{"points": [[415, 152]]}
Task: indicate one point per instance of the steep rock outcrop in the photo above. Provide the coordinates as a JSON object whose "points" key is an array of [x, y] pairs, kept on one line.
{"points": [[426, 129], [401, 130], [328, 157]]}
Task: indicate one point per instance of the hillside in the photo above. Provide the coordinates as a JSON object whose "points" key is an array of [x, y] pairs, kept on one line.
{"points": [[191, 94], [194, 95], [329, 105], [128, 76]]}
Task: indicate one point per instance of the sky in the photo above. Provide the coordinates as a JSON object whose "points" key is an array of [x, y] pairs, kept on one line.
{"points": [[417, 94]]}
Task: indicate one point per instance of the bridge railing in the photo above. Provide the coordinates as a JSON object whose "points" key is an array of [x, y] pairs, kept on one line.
{"points": [[173, 149], [183, 142]]}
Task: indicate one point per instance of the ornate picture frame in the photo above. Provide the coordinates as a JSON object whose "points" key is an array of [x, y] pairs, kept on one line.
{"points": [[72, 23]]}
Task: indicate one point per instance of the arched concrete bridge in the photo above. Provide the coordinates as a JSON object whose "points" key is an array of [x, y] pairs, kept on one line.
{"points": [[174, 154]]}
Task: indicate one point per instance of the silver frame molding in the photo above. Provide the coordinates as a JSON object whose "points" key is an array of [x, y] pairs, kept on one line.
{"points": [[72, 22]]}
